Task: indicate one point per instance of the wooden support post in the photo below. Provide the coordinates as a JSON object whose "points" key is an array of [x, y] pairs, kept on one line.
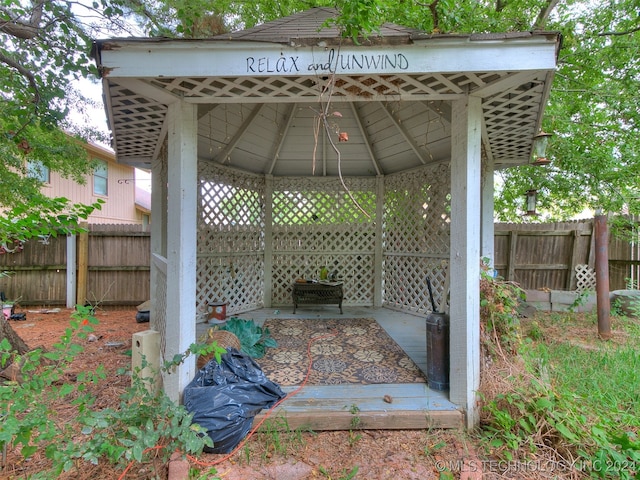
{"points": [[601, 233], [182, 200], [83, 265], [268, 242], [466, 131]]}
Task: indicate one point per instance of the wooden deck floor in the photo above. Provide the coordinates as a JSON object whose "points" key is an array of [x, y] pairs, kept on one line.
{"points": [[345, 407]]}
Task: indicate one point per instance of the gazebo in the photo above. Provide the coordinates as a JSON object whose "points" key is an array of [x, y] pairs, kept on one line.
{"points": [[282, 149]]}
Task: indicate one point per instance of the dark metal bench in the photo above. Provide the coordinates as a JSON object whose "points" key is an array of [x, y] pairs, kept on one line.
{"points": [[314, 293]]}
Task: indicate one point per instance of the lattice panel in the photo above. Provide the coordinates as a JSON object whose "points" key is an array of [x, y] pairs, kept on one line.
{"points": [[417, 212], [316, 224], [138, 120], [236, 280], [405, 282], [416, 237], [159, 320], [517, 111], [230, 201], [230, 240], [366, 87], [137, 123], [355, 269], [585, 278]]}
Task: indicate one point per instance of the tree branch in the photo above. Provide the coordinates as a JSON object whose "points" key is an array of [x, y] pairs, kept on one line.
{"points": [[434, 13], [25, 73], [617, 34], [21, 29], [544, 15]]}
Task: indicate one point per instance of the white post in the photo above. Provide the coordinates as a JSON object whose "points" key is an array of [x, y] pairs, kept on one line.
{"points": [[158, 243], [71, 270], [378, 253], [181, 244], [466, 121], [487, 244], [268, 242]]}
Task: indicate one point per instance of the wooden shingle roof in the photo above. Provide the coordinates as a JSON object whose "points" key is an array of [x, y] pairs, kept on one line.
{"points": [[313, 25]]}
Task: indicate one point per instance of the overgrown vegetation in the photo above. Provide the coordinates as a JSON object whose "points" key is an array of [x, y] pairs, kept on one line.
{"points": [[143, 427], [558, 401]]}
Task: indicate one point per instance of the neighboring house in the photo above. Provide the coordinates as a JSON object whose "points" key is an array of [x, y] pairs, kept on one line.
{"points": [[126, 199]]}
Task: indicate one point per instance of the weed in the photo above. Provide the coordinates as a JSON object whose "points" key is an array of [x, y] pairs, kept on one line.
{"points": [[144, 425], [344, 475], [535, 332], [354, 410], [276, 437], [499, 302], [354, 438], [580, 301], [551, 406]]}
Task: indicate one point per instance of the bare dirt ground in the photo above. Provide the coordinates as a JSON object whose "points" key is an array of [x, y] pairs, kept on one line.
{"points": [[373, 454]]}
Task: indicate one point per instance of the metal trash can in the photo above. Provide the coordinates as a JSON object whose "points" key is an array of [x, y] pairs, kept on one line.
{"points": [[438, 351]]}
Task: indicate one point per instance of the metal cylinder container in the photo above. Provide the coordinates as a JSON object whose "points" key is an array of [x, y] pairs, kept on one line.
{"points": [[438, 351]]}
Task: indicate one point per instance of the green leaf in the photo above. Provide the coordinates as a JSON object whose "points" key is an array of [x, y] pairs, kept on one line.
{"points": [[28, 450], [566, 433]]}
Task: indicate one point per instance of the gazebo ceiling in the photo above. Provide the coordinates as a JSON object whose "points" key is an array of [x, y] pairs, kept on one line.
{"points": [[262, 92]]}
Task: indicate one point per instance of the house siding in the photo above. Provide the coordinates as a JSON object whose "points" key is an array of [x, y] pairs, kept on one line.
{"points": [[120, 201]]}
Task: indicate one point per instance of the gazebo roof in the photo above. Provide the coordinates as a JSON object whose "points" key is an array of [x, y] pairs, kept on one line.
{"points": [[260, 93]]}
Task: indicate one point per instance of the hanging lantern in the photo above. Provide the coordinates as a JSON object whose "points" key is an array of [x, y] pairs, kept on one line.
{"points": [[540, 142], [532, 198]]}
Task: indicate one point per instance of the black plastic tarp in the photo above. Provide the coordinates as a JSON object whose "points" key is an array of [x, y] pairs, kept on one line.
{"points": [[225, 397]]}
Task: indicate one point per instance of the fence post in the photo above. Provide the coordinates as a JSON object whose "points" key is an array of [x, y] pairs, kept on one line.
{"points": [[71, 270], [511, 261], [573, 261], [83, 264]]}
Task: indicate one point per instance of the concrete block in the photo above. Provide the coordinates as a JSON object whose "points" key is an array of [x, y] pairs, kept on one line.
{"points": [[537, 296], [567, 298]]}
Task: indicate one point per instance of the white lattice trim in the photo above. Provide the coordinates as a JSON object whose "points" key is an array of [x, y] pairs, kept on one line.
{"points": [[585, 278]]}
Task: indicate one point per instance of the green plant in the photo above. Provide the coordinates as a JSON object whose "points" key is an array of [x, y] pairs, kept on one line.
{"points": [[580, 300], [144, 425], [634, 307], [28, 420], [344, 475], [499, 302], [354, 410], [276, 437], [254, 340], [550, 406]]}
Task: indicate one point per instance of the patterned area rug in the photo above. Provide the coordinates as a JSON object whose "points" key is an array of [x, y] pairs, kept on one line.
{"points": [[346, 351]]}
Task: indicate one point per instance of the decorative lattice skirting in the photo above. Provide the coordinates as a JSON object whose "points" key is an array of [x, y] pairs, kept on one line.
{"points": [[585, 278]]}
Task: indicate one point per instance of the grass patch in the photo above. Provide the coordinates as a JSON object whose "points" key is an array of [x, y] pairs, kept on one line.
{"points": [[572, 399]]}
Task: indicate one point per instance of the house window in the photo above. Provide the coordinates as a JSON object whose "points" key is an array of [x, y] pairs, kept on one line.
{"points": [[100, 178], [39, 171]]}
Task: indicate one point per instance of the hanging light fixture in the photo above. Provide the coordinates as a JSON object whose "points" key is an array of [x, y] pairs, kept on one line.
{"points": [[532, 198], [540, 142]]}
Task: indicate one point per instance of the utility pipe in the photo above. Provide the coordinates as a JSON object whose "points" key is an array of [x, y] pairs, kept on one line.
{"points": [[601, 234]]}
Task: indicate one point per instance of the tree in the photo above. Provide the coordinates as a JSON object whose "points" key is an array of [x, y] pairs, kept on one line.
{"points": [[591, 112], [44, 49]]}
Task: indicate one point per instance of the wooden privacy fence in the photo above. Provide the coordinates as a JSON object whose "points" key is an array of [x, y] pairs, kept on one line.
{"points": [[112, 263], [111, 268], [547, 255]]}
